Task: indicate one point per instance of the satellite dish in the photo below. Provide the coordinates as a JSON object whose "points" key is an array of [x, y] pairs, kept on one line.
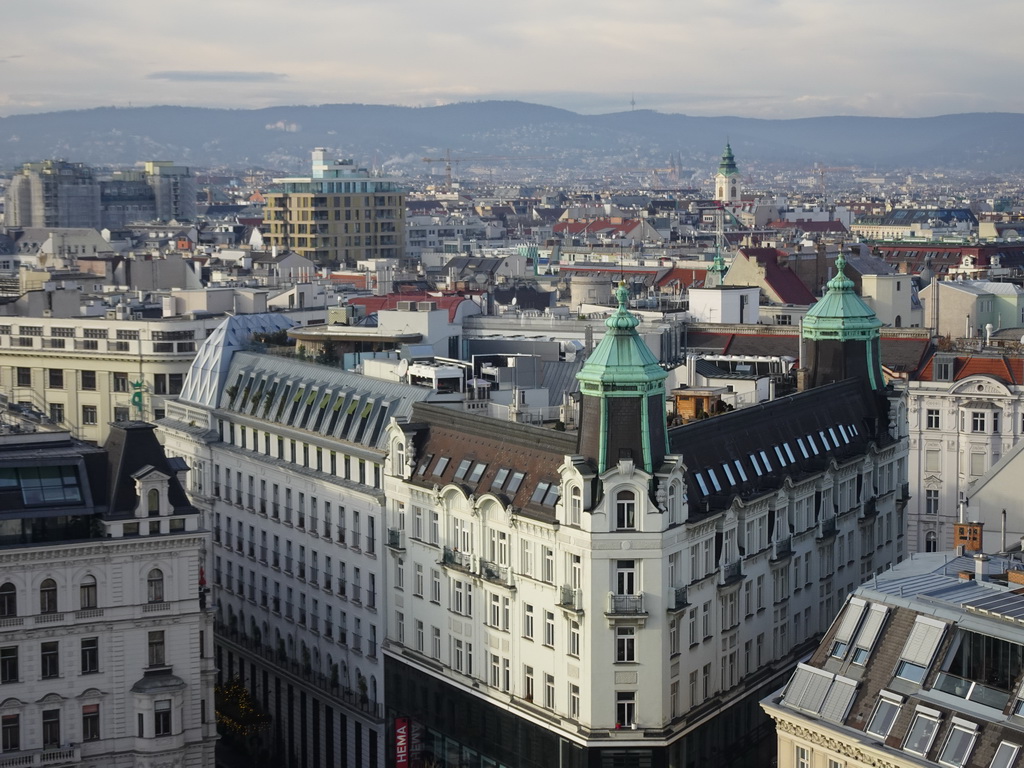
{"points": [[403, 367], [515, 300]]}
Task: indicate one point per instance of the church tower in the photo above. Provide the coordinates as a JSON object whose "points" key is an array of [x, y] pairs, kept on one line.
{"points": [[841, 336], [622, 414], [727, 181]]}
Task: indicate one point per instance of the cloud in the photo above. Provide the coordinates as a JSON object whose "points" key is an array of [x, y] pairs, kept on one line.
{"points": [[216, 76]]}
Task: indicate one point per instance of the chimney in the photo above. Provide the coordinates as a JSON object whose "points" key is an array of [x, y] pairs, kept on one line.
{"points": [[979, 566]]}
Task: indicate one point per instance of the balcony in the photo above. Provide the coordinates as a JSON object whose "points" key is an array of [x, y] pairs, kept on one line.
{"points": [[500, 574], [626, 605], [677, 600], [730, 573], [869, 509], [904, 492], [570, 598], [782, 548], [827, 528], [456, 559], [40, 757], [396, 539], [972, 691]]}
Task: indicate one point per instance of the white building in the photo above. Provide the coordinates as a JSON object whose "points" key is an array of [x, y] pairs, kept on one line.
{"points": [[105, 640], [625, 595], [966, 412], [287, 461]]}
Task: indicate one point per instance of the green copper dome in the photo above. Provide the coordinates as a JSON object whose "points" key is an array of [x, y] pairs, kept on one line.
{"points": [[623, 397], [621, 357], [841, 314], [727, 166], [842, 335]]}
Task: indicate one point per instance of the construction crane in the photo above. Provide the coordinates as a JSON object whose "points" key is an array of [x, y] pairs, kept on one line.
{"points": [[447, 160], [821, 170]]}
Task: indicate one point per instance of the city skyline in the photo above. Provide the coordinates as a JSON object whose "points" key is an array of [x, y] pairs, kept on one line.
{"points": [[775, 59]]}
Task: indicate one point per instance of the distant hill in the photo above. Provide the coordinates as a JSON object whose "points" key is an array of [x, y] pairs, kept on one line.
{"points": [[515, 134]]}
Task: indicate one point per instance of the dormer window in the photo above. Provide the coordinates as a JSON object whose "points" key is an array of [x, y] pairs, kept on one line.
{"points": [[153, 502]]}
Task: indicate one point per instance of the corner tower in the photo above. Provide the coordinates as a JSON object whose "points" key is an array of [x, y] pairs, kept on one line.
{"points": [[727, 181], [841, 336], [622, 414]]}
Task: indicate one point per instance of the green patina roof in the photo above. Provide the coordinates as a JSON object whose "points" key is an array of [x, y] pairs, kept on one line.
{"points": [[727, 167], [621, 357], [841, 314]]}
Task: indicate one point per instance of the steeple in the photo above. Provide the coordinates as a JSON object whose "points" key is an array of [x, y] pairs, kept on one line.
{"points": [[727, 167], [716, 272], [727, 180], [841, 335], [622, 414]]}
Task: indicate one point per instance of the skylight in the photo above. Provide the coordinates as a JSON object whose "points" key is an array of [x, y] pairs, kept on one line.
{"points": [[442, 463], [803, 448], [460, 473]]}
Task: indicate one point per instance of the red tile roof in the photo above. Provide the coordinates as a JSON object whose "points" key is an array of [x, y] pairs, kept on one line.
{"points": [[377, 303], [784, 281], [1007, 369]]}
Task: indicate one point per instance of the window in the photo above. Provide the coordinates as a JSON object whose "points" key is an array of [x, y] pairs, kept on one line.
{"points": [[549, 628], [56, 412], [155, 586], [802, 758], [625, 577], [9, 664], [162, 717], [958, 743], [120, 382], [24, 377], [90, 655], [51, 728], [932, 418], [56, 378], [931, 501], [1005, 754], [48, 596], [8, 600], [625, 511], [49, 660], [625, 644], [884, 715], [528, 621], [922, 731], [574, 638], [89, 415], [919, 649], [91, 722], [156, 648], [574, 701], [10, 733], [87, 593], [625, 708], [549, 691], [89, 380], [575, 505]]}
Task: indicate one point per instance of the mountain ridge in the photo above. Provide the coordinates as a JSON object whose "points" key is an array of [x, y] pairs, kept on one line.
{"points": [[553, 139]]}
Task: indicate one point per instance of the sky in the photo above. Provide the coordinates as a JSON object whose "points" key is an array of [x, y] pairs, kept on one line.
{"points": [[749, 58]]}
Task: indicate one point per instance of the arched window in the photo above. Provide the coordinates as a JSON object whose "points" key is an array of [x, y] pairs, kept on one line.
{"points": [[673, 503], [931, 542], [48, 596], [575, 505], [898, 322], [87, 592], [625, 511], [399, 459], [155, 586], [153, 501], [8, 600]]}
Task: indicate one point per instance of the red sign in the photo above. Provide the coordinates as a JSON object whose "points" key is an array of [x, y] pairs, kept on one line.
{"points": [[402, 742]]}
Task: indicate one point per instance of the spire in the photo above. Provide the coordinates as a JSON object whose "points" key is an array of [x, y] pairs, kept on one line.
{"points": [[716, 272], [622, 414], [727, 166], [842, 331]]}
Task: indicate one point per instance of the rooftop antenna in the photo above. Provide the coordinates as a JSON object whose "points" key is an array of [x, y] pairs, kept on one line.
{"points": [[632, 102]]}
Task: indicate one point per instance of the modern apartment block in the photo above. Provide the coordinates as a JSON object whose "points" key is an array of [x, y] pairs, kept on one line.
{"points": [[106, 646], [625, 596], [341, 214], [287, 465], [923, 666], [53, 193]]}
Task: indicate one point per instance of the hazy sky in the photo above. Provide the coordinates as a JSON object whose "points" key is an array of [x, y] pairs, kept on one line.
{"points": [[753, 58]]}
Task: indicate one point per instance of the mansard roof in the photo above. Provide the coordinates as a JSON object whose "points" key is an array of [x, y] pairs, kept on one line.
{"points": [[751, 451], [517, 463], [317, 398]]}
